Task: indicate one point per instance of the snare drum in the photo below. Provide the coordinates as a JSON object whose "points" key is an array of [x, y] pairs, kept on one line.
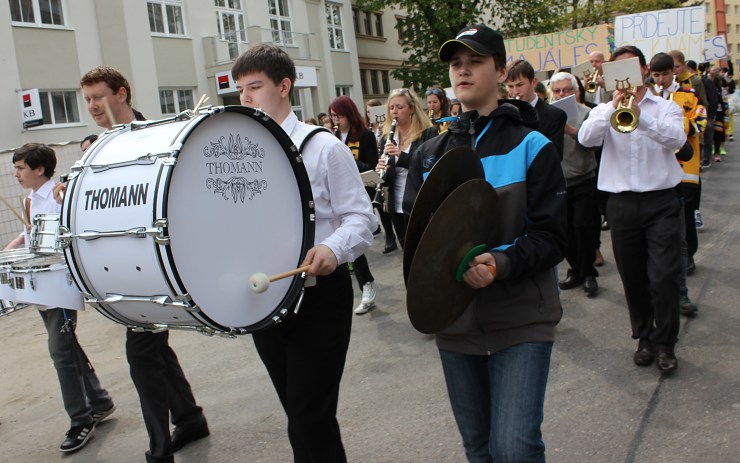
{"points": [[7, 259], [164, 222], [45, 280], [45, 234]]}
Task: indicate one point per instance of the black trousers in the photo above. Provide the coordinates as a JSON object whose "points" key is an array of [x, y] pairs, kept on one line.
{"points": [[581, 250], [305, 356], [690, 192], [646, 238], [362, 271], [162, 388]]}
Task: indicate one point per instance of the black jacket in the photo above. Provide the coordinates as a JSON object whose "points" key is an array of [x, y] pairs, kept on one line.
{"points": [[552, 122], [522, 305]]}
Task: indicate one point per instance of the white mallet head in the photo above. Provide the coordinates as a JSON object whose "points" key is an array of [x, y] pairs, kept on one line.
{"points": [[259, 282]]}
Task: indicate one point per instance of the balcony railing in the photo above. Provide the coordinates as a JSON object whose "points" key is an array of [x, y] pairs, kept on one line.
{"points": [[221, 50]]}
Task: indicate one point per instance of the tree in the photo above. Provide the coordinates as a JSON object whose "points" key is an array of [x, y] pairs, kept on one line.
{"points": [[427, 25]]}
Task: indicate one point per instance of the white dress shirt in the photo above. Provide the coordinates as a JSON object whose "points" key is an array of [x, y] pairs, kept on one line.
{"points": [[643, 160], [344, 216], [42, 202]]}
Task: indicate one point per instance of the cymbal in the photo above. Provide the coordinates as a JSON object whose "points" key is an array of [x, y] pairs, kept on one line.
{"points": [[454, 168], [467, 218]]}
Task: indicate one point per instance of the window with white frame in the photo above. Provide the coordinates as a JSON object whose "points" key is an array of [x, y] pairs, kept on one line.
{"points": [[230, 21], [59, 107], [334, 22], [295, 103], [37, 12], [165, 17], [342, 90], [175, 100], [379, 24], [280, 22]]}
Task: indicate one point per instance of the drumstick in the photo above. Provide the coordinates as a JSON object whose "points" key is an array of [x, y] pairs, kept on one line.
{"points": [[109, 113], [12, 209], [259, 282], [202, 101], [26, 212]]}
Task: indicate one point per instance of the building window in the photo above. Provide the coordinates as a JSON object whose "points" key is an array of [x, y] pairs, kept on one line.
{"points": [[374, 82], [334, 21], [399, 28], [737, 10], [368, 21], [230, 22], [37, 12], [356, 20], [295, 104], [280, 22], [174, 101], [385, 79], [363, 82], [379, 24], [342, 90], [59, 107], [165, 17], [709, 28]]}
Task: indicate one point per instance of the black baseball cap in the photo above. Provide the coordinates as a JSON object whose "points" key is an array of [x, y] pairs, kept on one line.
{"points": [[479, 38]]}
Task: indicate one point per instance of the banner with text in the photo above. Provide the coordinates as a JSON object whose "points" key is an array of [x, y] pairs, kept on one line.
{"points": [[564, 49], [715, 48], [663, 30]]}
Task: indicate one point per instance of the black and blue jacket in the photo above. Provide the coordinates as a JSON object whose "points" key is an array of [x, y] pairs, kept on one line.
{"points": [[522, 304]]}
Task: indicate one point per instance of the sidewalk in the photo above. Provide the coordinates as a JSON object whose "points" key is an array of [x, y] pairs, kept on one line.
{"points": [[393, 407]]}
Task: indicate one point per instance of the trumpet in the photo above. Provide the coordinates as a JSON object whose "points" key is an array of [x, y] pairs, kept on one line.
{"points": [[624, 119], [378, 198], [592, 84]]}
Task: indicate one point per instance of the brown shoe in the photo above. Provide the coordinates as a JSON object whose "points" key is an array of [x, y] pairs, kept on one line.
{"points": [[645, 354], [599, 261]]}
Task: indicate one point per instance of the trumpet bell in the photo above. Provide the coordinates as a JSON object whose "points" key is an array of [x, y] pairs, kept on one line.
{"points": [[592, 87], [624, 120]]}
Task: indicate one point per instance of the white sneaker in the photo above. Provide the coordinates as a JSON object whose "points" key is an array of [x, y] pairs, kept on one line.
{"points": [[368, 293], [363, 308], [368, 299]]}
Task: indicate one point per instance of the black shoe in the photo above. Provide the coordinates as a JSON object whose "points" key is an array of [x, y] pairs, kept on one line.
{"points": [[183, 435], [376, 232], [590, 286], [688, 308], [390, 247], [690, 266], [666, 361], [101, 416], [571, 281], [77, 437], [605, 225], [645, 354]]}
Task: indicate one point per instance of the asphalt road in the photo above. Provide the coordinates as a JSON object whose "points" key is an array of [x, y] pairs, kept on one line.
{"points": [[393, 407]]}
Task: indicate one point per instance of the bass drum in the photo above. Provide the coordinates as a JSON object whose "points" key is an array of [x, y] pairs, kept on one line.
{"points": [[164, 222]]}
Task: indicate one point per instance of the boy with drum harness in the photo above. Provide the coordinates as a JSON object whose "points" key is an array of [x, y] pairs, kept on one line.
{"points": [[163, 390], [86, 401], [305, 354]]}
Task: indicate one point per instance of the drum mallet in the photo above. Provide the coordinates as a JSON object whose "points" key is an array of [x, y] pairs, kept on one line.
{"points": [[259, 282]]}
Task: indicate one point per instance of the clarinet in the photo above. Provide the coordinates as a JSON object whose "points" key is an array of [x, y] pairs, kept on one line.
{"points": [[337, 133], [378, 199]]}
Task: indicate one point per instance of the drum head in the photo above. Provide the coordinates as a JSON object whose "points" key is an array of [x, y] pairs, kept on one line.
{"points": [[238, 202]]}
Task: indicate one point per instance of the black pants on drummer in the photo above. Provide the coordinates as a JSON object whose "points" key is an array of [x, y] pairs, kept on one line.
{"points": [[305, 356], [646, 237], [163, 390]]}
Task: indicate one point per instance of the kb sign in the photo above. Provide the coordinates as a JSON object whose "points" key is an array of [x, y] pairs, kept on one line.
{"points": [[31, 113]]}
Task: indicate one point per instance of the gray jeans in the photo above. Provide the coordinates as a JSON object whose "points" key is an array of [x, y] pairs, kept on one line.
{"points": [[82, 393]]}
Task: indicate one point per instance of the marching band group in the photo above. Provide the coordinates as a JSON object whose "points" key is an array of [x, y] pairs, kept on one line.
{"points": [[628, 160]]}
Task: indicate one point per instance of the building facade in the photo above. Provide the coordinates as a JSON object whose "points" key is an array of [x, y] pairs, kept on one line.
{"points": [[174, 51], [725, 14]]}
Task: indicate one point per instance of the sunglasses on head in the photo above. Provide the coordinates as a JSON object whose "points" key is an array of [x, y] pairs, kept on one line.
{"points": [[435, 91], [400, 91]]}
